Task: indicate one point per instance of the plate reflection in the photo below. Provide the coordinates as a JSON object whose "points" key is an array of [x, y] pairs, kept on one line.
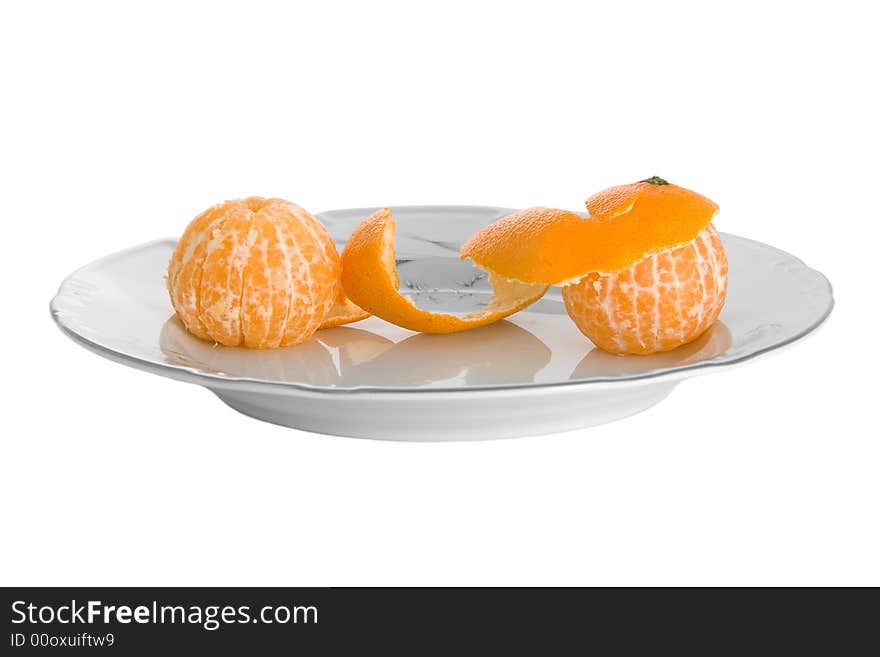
{"points": [[310, 363], [350, 356], [601, 364]]}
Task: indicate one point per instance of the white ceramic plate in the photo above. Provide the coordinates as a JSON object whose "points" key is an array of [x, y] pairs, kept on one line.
{"points": [[533, 373]]}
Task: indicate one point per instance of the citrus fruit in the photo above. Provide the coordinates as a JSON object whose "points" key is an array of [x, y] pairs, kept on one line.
{"points": [[255, 272], [660, 303], [644, 273], [370, 280]]}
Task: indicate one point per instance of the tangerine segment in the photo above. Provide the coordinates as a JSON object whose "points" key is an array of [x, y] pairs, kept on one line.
{"points": [[185, 269], [222, 276], [627, 223], [662, 302], [256, 272], [370, 279]]}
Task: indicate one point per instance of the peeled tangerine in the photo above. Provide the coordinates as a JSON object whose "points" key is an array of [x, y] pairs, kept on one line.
{"points": [[645, 273], [257, 273]]}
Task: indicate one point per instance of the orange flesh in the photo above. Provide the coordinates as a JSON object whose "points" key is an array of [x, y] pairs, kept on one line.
{"points": [[626, 224], [257, 272], [662, 302], [369, 277]]}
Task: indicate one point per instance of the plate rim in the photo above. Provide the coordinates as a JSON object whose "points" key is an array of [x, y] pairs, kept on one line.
{"points": [[209, 380]]}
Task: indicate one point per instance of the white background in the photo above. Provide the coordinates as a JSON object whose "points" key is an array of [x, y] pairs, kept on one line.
{"points": [[119, 124]]}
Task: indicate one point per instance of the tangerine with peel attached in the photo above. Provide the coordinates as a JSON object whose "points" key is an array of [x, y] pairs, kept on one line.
{"points": [[662, 302], [644, 273], [370, 280], [255, 272]]}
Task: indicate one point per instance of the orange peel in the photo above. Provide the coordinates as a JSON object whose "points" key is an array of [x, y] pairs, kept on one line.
{"points": [[343, 312], [370, 280], [626, 224]]}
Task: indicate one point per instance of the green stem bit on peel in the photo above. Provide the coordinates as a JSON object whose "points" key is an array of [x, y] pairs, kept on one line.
{"points": [[654, 180]]}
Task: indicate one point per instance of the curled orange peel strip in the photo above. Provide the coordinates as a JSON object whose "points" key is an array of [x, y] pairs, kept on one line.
{"points": [[626, 224], [370, 280], [343, 312]]}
